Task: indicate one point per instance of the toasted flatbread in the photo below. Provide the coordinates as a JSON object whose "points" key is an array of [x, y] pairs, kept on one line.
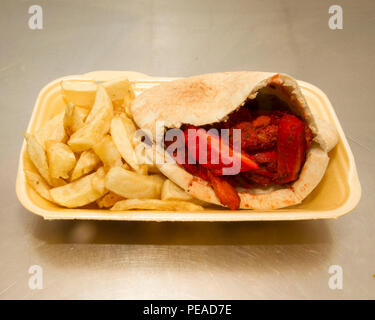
{"points": [[210, 98]]}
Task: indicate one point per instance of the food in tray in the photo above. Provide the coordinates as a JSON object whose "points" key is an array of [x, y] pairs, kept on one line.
{"points": [[281, 152], [87, 154], [240, 140]]}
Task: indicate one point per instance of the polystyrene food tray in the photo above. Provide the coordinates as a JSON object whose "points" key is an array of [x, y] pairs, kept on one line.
{"points": [[338, 192]]}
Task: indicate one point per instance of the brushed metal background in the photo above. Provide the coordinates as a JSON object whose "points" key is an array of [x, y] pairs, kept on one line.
{"points": [[188, 260]]}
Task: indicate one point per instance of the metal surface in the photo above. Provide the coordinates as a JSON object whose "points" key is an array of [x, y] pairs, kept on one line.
{"points": [[188, 260]]}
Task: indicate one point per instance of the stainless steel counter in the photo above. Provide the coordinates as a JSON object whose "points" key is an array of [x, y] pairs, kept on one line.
{"points": [[188, 260]]}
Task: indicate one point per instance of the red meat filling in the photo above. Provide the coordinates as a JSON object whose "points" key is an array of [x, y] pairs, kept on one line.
{"points": [[273, 150]]}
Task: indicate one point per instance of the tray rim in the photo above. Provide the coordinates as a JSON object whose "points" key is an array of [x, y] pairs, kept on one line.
{"points": [[206, 216]]}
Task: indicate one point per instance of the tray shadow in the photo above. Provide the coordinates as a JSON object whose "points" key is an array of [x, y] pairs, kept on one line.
{"points": [[256, 246], [183, 233]]}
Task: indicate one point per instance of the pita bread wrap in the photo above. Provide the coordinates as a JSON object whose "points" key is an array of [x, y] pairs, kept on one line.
{"points": [[210, 98]]}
